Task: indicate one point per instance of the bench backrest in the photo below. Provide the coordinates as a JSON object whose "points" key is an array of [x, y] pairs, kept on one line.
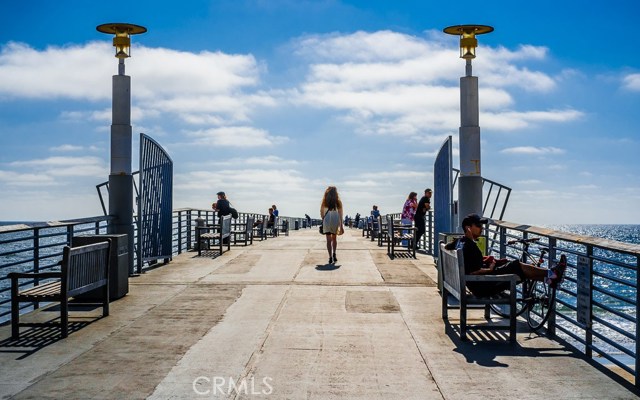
{"points": [[390, 226], [248, 228], [452, 262], [85, 267], [225, 226]]}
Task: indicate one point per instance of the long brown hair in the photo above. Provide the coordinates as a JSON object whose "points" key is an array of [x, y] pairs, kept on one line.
{"points": [[331, 199]]}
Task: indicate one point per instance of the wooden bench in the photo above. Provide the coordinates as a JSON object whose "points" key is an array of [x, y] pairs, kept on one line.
{"points": [[397, 233], [381, 230], [243, 230], [261, 230], [82, 269], [454, 282], [218, 232]]}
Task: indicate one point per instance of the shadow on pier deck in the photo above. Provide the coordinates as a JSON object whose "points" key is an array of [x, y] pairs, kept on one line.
{"points": [[273, 321]]}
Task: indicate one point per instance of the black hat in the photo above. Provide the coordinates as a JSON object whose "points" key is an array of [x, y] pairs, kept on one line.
{"points": [[220, 193], [473, 219]]}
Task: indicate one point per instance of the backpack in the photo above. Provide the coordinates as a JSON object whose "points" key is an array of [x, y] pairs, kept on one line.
{"points": [[234, 213]]}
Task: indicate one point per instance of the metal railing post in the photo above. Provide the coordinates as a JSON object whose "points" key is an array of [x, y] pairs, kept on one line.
{"points": [[179, 232], [637, 360], [503, 241], [189, 227], [551, 322], [588, 332]]}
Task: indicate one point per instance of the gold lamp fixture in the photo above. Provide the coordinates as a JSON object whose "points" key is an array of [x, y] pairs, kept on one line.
{"points": [[468, 41], [122, 38]]}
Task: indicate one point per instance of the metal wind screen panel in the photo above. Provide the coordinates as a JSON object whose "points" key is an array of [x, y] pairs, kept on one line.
{"points": [[155, 202], [443, 192]]}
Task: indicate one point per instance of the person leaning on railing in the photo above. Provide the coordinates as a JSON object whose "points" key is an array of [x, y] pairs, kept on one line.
{"points": [[424, 205]]}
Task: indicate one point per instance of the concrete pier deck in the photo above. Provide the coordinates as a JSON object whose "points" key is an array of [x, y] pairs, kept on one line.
{"points": [[272, 320]]}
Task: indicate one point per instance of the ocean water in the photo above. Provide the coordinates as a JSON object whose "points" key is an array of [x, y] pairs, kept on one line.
{"points": [[615, 289]]}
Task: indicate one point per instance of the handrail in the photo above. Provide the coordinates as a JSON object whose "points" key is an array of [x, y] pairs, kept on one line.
{"points": [[597, 305]]}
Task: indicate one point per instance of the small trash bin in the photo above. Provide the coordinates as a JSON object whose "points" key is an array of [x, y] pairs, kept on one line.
{"points": [[296, 225], [118, 269]]}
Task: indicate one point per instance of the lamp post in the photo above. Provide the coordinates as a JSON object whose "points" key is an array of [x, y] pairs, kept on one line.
{"points": [[470, 178], [120, 177]]}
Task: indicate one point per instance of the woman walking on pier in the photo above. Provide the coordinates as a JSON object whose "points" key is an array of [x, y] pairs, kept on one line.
{"points": [[332, 225]]}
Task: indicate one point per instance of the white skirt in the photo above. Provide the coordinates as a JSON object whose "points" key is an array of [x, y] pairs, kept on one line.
{"points": [[331, 222]]}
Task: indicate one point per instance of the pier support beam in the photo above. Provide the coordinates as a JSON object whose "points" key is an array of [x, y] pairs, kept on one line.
{"points": [[120, 177], [470, 178]]}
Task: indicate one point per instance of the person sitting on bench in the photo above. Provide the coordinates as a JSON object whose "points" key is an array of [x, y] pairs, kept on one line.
{"points": [[475, 264]]}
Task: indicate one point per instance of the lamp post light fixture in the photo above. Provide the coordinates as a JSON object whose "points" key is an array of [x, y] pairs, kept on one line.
{"points": [[122, 39], [470, 178], [120, 177], [468, 41]]}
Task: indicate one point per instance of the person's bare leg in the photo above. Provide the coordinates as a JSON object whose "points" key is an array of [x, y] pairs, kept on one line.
{"points": [[334, 242], [328, 236], [533, 272]]}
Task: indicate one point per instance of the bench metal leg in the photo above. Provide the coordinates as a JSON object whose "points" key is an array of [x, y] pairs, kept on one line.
{"points": [[64, 316], [445, 305], [15, 316], [463, 320], [105, 302]]}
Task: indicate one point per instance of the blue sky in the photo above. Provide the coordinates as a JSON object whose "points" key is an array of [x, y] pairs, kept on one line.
{"points": [[271, 101]]}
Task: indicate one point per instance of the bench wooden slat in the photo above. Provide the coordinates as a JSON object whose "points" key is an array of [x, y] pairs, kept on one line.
{"points": [[45, 290], [220, 232], [246, 232], [83, 268], [397, 233]]}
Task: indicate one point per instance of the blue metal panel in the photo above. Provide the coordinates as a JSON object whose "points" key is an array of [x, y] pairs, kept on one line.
{"points": [[155, 202], [443, 192]]}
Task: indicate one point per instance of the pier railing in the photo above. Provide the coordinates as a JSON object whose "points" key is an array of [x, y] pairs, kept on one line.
{"points": [[427, 241], [37, 247], [597, 304]]}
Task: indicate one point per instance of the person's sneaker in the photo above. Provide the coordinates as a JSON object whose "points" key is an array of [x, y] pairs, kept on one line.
{"points": [[334, 257], [330, 260], [557, 272]]}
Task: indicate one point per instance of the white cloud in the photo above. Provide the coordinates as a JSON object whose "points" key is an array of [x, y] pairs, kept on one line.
{"points": [[532, 150], [198, 88], [631, 82], [513, 120], [388, 83], [67, 147], [49, 169], [393, 175], [235, 136], [265, 161], [529, 182], [25, 179], [75, 72]]}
